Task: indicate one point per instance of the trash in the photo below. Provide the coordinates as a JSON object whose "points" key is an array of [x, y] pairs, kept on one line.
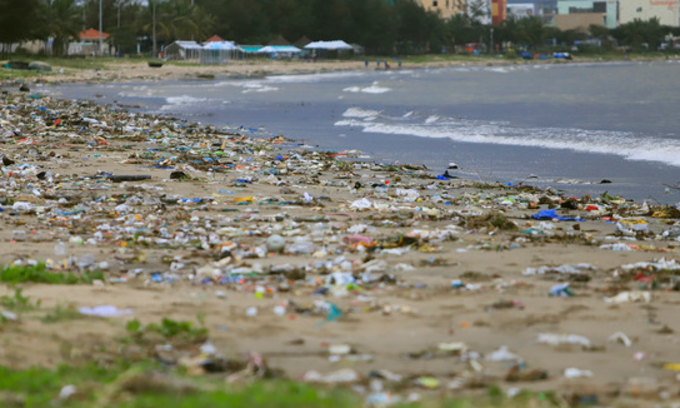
{"points": [[275, 243], [552, 215], [563, 269], [620, 338], [104, 311], [362, 204], [503, 354], [577, 373], [558, 339], [342, 376], [121, 178], [428, 382], [294, 242], [561, 290], [630, 297], [67, 391]]}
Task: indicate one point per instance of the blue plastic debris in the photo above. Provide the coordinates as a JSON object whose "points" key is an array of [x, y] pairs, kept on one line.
{"points": [[552, 215]]}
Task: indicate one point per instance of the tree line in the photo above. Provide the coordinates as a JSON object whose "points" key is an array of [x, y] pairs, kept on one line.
{"points": [[382, 27]]}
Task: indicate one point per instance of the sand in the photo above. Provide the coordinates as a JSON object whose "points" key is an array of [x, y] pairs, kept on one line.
{"points": [[396, 320]]}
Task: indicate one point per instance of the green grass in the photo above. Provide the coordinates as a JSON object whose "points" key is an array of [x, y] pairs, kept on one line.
{"points": [[106, 387], [18, 302], [180, 331], [15, 274], [63, 313], [123, 385]]}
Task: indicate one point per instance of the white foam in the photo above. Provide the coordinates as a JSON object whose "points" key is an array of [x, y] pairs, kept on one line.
{"points": [[360, 113], [255, 87], [625, 144], [373, 89], [183, 100]]}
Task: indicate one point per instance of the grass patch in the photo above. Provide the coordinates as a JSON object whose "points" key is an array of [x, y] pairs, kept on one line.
{"points": [[148, 385], [15, 274], [172, 330], [18, 302], [63, 313]]}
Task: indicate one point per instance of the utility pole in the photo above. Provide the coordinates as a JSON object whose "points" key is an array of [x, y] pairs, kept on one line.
{"points": [[154, 29], [101, 36], [491, 32]]}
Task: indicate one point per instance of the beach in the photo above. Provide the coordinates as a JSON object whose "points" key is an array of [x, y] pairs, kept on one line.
{"points": [[130, 69], [326, 261], [428, 275]]}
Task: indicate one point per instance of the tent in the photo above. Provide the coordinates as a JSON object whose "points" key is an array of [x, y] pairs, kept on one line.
{"points": [[214, 38], [304, 40], [183, 50], [280, 51], [337, 45], [279, 41], [249, 49], [219, 52]]}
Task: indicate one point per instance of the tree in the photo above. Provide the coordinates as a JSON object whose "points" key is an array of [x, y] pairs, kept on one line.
{"points": [[18, 20], [477, 11], [60, 20], [641, 34]]}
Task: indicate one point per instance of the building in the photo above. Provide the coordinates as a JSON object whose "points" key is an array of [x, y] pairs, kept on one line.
{"points": [[579, 21], [446, 8], [499, 11], [607, 9], [667, 11], [521, 10], [545, 9], [89, 43]]}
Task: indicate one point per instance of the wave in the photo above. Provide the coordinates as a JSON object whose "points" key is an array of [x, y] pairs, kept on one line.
{"points": [[629, 145], [184, 100], [361, 113], [373, 89]]}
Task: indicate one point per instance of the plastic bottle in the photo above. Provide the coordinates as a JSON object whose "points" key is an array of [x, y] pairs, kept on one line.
{"points": [[60, 249]]}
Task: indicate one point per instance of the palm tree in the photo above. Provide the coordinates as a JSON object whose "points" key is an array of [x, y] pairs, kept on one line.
{"points": [[61, 21], [178, 19]]}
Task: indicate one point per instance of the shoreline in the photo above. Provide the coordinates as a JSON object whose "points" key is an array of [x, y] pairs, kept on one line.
{"points": [[129, 70], [426, 272]]}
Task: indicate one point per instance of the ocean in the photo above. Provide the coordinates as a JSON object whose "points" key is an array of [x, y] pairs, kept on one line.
{"points": [[571, 125]]}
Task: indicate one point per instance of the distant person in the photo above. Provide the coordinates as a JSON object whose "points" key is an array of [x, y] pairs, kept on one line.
{"points": [[366, 63], [399, 62], [387, 65], [378, 63]]}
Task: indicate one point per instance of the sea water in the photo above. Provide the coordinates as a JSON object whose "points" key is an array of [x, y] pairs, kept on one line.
{"points": [[572, 125]]}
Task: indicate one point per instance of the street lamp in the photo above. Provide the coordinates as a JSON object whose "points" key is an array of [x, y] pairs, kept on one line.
{"points": [[101, 36]]}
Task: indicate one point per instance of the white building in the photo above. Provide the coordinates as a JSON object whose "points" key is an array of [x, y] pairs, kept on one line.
{"points": [[667, 11]]}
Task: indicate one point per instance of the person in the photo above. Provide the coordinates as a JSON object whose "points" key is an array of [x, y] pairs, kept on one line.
{"points": [[366, 63]]}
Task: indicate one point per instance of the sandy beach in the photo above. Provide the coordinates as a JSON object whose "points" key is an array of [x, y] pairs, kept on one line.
{"points": [[131, 70], [448, 285]]}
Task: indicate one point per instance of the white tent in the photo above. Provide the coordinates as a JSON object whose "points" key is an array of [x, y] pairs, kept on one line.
{"points": [[280, 51], [183, 50], [337, 45], [273, 49], [219, 52]]}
